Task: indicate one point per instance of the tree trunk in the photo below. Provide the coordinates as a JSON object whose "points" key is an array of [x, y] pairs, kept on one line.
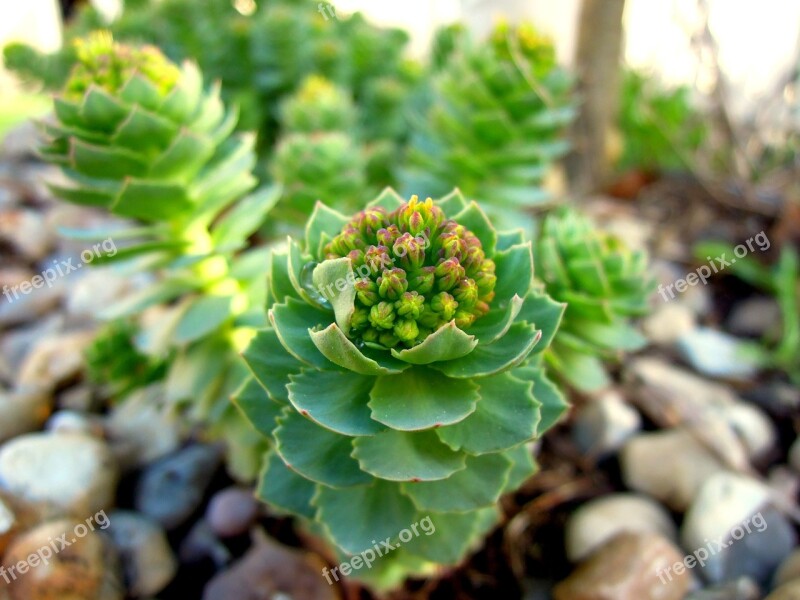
{"points": [[598, 64]]}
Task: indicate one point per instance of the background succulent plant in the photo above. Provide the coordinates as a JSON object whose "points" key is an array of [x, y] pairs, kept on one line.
{"points": [[495, 123], [604, 285], [400, 377], [139, 136]]}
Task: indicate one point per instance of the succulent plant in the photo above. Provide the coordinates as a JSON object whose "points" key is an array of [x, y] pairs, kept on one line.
{"points": [[318, 156], [603, 283], [496, 121], [400, 378], [139, 137]]}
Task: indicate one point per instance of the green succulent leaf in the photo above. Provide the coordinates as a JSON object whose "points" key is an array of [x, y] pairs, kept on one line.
{"points": [[244, 219], [506, 239], [455, 534], [106, 163], [98, 111], [335, 346], [151, 201], [323, 221], [204, 315], [334, 280], [292, 321], [506, 353], [271, 364], [335, 400], [284, 489], [476, 486], [446, 343], [182, 161], [388, 199], [255, 404], [421, 399], [407, 456], [514, 271], [453, 202], [543, 313], [506, 415], [474, 219], [496, 324], [279, 282], [523, 466], [144, 132], [382, 513], [317, 453]]}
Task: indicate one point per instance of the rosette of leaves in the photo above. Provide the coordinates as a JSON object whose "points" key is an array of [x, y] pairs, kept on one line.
{"points": [[400, 377], [496, 122], [604, 285], [139, 137], [318, 157]]}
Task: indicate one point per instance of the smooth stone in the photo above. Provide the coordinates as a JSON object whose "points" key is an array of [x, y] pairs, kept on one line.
{"points": [[72, 421], [668, 322], [599, 520], [17, 343], [754, 428], [743, 588], [8, 525], [754, 317], [669, 465], [23, 411], [97, 289], [788, 591], [268, 570], [734, 510], [776, 397], [625, 568], [794, 455], [171, 489], [85, 570], [202, 543], [25, 230], [142, 429], [147, 559], [22, 308], [717, 354], [789, 569], [604, 424], [55, 361], [64, 474], [232, 511]]}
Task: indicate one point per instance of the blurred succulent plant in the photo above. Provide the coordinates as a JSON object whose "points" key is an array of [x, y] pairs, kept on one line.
{"points": [[496, 122], [138, 136], [603, 283], [113, 361], [318, 157], [400, 377]]}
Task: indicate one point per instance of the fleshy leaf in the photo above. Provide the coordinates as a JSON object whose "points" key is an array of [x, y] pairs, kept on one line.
{"points": [[584, 371], [335, 400], [506, 239], [279, 282], [317, 453], [507, 414], [151, 201], [271, 364], [335, 346], [507, 352], [545, 314], [284, 489], [144, 131], [496, 324], [446, 343], [255, 404], [421, 399], [523, 467], [388, 199], [474, 219], [553, 404], [452, 203], [383, 512], [323, 220], [333, 279], [455, 534], [204, 315], [101, 111], [514, 271], [292, 321], [617, 336], [244, 219], [108, 163], [183, 159], [407, 456], [479, 484]]}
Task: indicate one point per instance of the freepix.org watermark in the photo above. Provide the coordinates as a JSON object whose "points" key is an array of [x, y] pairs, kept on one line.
{"points": [[369, 556], [715, 265], [701, 555], [43, 555], [59, 268]]}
